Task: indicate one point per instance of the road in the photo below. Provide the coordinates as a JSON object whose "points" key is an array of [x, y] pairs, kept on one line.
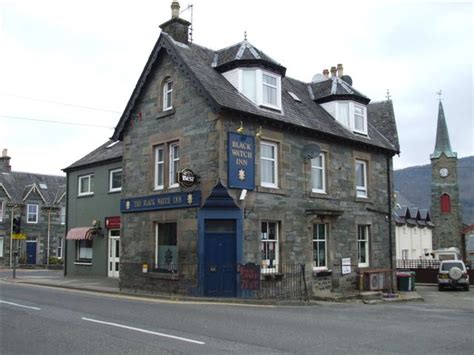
{"points": [[74, 322]]}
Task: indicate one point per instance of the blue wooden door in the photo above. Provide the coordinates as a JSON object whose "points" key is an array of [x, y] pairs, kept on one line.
{"points": [[220, 258], [30, 252]]}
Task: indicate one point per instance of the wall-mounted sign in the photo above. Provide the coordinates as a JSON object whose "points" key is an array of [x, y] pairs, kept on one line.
{"points": [[19, 236], [161, 202], [241, 161], [112, 222], [249, 277], [187, 178], [346, 266]]}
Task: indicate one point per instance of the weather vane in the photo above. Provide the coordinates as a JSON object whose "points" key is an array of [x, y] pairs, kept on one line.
{"points": [[439, 93], [388, 96]]}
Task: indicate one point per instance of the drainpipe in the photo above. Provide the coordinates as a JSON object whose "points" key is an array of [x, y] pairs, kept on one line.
{"points": [[11, 232], [49, 237], [389, 189]]}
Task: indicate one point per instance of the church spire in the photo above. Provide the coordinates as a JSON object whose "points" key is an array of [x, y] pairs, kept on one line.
{"points": [[442, 137]]}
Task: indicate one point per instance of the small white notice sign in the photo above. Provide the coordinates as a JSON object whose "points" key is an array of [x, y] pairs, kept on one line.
{"points": [[346, 266]]}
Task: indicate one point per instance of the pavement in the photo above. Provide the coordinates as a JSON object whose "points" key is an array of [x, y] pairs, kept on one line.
{"points": [[56, 278]]}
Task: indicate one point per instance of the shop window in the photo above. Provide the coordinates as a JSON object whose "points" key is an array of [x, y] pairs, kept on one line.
{"points": [[166, 248], [269, 247], [84, 251], [320, 246]]}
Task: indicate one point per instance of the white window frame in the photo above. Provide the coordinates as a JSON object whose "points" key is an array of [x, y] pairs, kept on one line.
{"points": [[111, 175], [361, 190], [265, 263], [364, 228], [81, 250], [158, 164], [352, 106], [2, 209], [34, 214], [404, 254], [173, 178], [319, 169], [317, 239], [273, 185], [82, 178], [258, 99], [168, 95], [62, 216], [2, 244]]}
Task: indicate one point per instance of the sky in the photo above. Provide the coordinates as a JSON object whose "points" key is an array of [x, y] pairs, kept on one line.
{"points": [[77, 62]]}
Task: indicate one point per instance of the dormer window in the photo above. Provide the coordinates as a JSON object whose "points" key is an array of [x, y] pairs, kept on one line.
{"points": [[167, 95], [260, 86], [352, 115]]}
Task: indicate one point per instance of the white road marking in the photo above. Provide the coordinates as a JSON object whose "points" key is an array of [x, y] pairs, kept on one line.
{"points": [[145, 331], [20, 305]]}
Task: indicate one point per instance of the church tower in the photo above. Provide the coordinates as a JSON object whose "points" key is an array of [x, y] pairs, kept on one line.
{"points": [[445, 204]]}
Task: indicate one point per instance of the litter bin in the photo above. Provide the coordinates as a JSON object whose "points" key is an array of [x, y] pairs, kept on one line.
{"points": [[404, 281]]}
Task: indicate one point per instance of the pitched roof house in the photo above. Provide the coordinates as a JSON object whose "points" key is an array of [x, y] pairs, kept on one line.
{"points": [[227, 161], [38, 203]]}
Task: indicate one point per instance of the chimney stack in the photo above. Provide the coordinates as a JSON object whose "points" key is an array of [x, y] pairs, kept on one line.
{"points": [[326, 73], [5, 162], [177, 27], [333, 72], [340, 70]]}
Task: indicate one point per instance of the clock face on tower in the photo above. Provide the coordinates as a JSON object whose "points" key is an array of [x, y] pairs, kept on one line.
{"points": [[443, 172]]}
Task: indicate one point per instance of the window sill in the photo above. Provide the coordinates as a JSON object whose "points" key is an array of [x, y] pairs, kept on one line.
{"points": [[271, 190], [86, 195], [114, 191], [322, 272], [271, 108], [315, 194], [83, 263], [163, 275], [166, 113], [363, 199]]}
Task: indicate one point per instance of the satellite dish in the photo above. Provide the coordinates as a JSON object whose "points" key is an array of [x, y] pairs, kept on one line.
{"points": [[311, 151], [317, 78]]}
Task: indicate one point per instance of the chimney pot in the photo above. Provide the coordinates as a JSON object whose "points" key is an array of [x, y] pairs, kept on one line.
{"points": [[5, 166], [326, 73], [4, 152], [340, 70], [333, 72], [175, 9]]}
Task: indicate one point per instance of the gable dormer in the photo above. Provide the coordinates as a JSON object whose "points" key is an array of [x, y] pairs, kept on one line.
{"points": [[253, 73], [337, 96]]}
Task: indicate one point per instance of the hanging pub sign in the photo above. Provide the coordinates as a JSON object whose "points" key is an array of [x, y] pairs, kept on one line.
{"points": [[187, 178], [241, 161]]}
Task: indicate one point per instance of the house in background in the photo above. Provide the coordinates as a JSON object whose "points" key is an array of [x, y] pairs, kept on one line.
{"points": [[228, 161], [93, 219], [37, 203], [468, 234], [413, 233]]}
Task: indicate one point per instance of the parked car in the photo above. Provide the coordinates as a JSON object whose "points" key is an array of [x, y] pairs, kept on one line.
{"points": [[453, 274]]}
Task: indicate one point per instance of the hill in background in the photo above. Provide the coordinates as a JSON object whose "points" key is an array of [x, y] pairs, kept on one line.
{"points": [[414, 183]]}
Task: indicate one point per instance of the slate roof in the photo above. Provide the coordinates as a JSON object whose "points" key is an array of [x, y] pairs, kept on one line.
{"points": [[382, 115], [412, 216], [100, 155], [308, 115], [19, 184], [334, 88], [242, 54], [443, 145]]}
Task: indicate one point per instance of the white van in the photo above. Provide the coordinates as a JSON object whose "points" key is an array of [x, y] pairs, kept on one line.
{"points": [[446, 254]]}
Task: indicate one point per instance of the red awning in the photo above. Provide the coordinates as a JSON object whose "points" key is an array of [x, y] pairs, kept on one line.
{"points": [[79, 233]]}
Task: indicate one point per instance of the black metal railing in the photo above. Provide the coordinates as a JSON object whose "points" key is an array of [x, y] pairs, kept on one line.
{"points": [[417, 264], [284, 281]]}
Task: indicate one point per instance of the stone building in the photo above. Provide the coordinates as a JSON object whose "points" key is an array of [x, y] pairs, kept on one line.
{"points": [[38, 204], [445, 203], [227, 161], [93, 220]]}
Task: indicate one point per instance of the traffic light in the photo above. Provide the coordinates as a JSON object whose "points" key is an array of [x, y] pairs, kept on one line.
{"points": [[17, 225]]}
